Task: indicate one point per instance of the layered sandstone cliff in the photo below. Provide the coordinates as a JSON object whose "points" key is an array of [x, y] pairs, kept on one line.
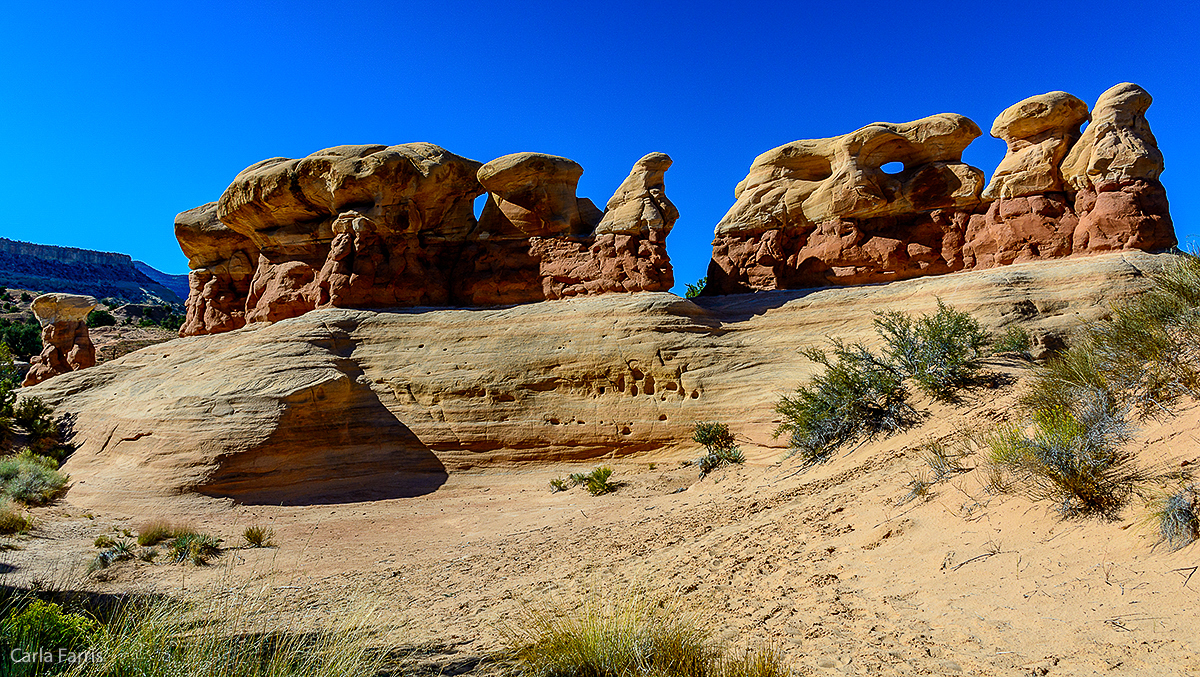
{"points": [[895, 201], [380, 227], [344, 404]]}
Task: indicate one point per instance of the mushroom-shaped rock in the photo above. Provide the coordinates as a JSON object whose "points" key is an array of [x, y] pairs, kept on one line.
{"points": [[66, 345], [533, 194], [884, 202], [640, 204], [1117, 147], [810, 181], [1039, 131], [222, 262]]}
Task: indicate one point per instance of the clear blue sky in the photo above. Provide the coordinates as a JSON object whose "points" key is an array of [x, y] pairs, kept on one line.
{"points": [[116, 116]]}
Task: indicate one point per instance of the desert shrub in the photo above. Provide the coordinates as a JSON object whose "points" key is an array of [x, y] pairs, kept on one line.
{"points": [[1074, 457], [31, 479], [259, 536], [12, 521], [940, 352], [1176, 516], [856, 394], [157, 531], [625, 636], [1144, 357], [559, 484], [31, 411], [172, 321], [40, 625], [596, 482], [100, 318], [25, 297], [233, 635], [195, 548], [1014, 340], [104, 541], [22, 338], [694, 290], [115, 551], [720, 447]]}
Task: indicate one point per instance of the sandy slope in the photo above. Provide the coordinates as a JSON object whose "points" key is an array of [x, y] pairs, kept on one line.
{"points": [[823, 561]]}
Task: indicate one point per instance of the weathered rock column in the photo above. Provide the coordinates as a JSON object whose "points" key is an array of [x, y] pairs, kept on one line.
{"points": [[66, 345]]}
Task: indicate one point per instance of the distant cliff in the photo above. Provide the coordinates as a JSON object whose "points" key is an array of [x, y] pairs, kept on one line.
{"points": [[47, 268]]}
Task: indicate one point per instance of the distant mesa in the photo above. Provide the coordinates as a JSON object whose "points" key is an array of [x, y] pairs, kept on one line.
{"points": [[394, 226], [70, 270], [825, 212]]}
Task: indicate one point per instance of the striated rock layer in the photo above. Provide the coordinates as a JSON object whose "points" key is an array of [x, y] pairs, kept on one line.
{"points": [[340, 405], [66, 346], [393, 226], [894, 201]]}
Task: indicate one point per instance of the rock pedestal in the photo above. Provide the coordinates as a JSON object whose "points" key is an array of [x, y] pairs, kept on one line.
{"points": [[66, 346]]}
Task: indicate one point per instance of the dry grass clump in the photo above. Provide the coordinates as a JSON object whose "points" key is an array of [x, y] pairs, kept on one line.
{"points": [[720, 448], [31, 479], [13, 521], [157, 531], [232, 635], [1143, 358], [1175, 515], [259, 536], [632, 637], [1076, 457]]}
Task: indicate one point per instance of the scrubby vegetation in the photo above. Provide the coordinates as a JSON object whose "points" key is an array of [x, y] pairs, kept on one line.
{"points": [[100, 318], [720, 448], [157, 531], [1143, 358], [259, 536], [193, 547], [694, 290], [1076, 458], [12, 521], [1015, 339], [36, 625], [1175, 515], [22, 336], [858, 393], [596, 482], [625, 636], [31, 479]]}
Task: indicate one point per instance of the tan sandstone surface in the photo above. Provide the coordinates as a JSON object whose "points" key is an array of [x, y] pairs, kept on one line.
{"points": [[354, 404]]}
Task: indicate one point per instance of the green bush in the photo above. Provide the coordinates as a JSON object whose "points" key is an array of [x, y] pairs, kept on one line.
{"points": [[45, 625], [22, 338], [1144, 357], [25, 297], [940, 352], [694, 290], [596, 482], [195, 548], [31, 479], [624, 637], [559, 484], [116, 551], [1014, 340], [100, 318], [720, 446], [860, 394], [1075, 457], [855, 394]]}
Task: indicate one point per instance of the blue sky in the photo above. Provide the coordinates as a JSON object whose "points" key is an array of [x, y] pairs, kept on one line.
{"points": [[114, 117]]}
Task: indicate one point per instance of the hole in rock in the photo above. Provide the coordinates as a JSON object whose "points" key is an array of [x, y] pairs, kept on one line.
{"points": [[893, 167], [695, 394], [624, 430], [479, 203], [633, 390], [662, 417]]}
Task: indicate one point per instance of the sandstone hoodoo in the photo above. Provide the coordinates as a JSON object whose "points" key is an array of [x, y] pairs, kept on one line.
{"points": [[66, 344], [380, 226], [894, 201]]}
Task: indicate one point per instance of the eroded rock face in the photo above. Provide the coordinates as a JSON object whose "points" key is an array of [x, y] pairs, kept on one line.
{"points": [[828, 211], [222, 263], [66, 346], [343, 404], [377, 226]]}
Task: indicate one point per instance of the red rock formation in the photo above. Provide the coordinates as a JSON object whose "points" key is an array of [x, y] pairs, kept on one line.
{"points": [[375, 226], [66, 346], [822, 212]]}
